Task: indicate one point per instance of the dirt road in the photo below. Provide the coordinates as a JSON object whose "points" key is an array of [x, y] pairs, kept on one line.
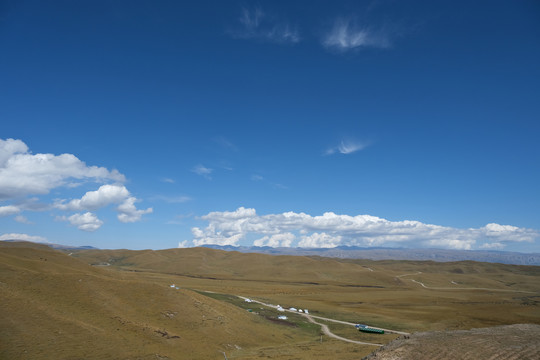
{"points": [[324, 327], [327, 332]]}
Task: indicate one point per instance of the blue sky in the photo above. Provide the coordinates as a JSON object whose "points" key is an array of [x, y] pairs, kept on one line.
{"points": [[138, 124]]}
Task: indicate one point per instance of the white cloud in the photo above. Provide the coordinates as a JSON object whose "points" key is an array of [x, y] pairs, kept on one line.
{"points": [[23, 237], [92, 200], [203, 171], [276, 240], [128, 212], [319, 240], [492, 246], [255, 24], [505, 232], [104, 196], [330, 230], [347, 35], [86, 222], [457, 244], [23, 173], [183, 244], [347, 147], [9, 210], [168, 180]]}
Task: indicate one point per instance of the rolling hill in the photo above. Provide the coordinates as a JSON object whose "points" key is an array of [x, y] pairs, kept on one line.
{"points": [[119, 304]]}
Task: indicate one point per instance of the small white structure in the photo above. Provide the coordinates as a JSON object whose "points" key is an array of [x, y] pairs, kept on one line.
{"points": [[305, 310], [248, 300], [280, 308], [282, 317], [300, 310], [292, 309], [173, 285]]}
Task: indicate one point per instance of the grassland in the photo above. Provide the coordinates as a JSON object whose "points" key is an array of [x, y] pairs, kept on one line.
{"points": [[118, 304]]}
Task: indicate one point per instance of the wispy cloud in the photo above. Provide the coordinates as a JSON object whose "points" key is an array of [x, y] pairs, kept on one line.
{"points": [[168, 180], [331, 230], [22, 219], [346, 34], [347, 147], [171, 199], [225, 143], [179, 219], [203, 171], [256, 24], [262, 179]]}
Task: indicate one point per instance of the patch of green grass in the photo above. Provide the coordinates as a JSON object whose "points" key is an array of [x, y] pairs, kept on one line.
{"points": [[268, 313]]}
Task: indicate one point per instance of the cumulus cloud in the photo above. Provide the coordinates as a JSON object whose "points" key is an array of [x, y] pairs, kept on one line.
{"points": [[347, 147], [104, 196], [276, 240], [9, 210], [330, 230], [346, 35], [256, 24], [23, 237], [23, 173], [320, 240], [86, 222], [92, 200], [127, 212]]}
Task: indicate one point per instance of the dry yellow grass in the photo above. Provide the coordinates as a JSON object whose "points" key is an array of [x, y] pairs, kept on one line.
{"points": [[59, 306]]}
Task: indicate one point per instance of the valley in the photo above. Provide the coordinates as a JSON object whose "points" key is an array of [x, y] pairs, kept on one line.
{"points": [[65, 304]]}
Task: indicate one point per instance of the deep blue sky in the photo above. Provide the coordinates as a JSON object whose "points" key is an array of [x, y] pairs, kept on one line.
{"points": [[426, 111]]}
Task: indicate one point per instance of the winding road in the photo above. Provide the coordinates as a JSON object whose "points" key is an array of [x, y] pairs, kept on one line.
{"points": [[459, 288], [324, 327]]}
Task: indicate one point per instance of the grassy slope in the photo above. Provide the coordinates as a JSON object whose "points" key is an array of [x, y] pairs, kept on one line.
{"points": [[356, 290], [55, 306], [64, 308]]}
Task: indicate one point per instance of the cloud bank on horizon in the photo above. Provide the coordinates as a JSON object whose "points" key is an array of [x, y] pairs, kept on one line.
{"points": [[330, 230]]}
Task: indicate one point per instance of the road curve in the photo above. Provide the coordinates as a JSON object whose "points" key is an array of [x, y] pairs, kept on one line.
{"points": [[352, 324], [324, 327], [327, 331], [468, 288]]}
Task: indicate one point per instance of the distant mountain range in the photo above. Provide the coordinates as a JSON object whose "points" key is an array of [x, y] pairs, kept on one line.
{"points": [[374, 253], [353, 252]]}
